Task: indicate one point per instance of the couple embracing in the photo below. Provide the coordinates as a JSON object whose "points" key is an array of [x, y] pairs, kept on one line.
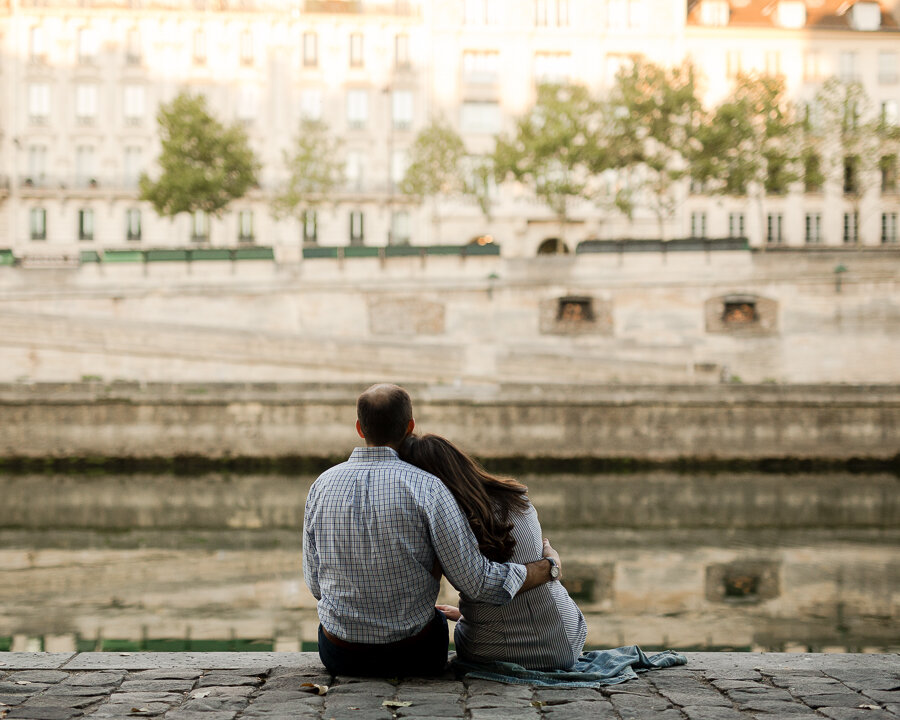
{"points": [[381, 529]]}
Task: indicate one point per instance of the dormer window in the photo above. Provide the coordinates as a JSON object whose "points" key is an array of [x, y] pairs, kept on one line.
{"points": [[865, 16], [791, 14], [714, 13]]}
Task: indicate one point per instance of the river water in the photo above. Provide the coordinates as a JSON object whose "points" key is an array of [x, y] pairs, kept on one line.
{"points": [[744, 561]]}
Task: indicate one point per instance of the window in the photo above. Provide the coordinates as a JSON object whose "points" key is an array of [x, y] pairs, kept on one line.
{"points": [[37, 223], [87, 46], [813, 228], [888, 227], [813, 177], [246, 48], [736, 225], [37, 45], [481, 67], [791, 14], [133, 166], [248, 103], [865, 16], [739, 311], [37, 165], [399, 164], [357, 231], [401, 51], [714, 13], [133, 225], [86, 225], [552, 67], [733, 63], [851, 227], [310, 49], [887, 164], [698, 224], [199, 47], [310, 226], [887, 67], [774, 225], [851, 185], [847, 66], [38, 103], [617, 14], [812, 66], [356, 50], [84, 165], [86, 103], [311, 104], [551, 13], [199, 227], [133, 97], [481, 12], [402, 109], [889, 115], [480, 117], [245, 226], [353, 172], [773, 62], [133, 47], [357, 109], [637, 14], [400, 228]]}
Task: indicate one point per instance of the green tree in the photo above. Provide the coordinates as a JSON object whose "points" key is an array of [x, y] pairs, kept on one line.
{"points": [[553, 150], [653, 112], [750, 146], [315, 170], [849, 137], [436, 167], [204, 164]]}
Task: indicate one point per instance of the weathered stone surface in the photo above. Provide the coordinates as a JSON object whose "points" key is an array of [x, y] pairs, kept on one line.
{"points": [[883, 696], [488, 687], [699, 696], [760, 693], [553, 696], [33, 661], [431, 710], [776, 707], [85, 690], [227, 691], [171, 685], [120, 710], [43, 713], [95, 678], [627, 704], [71, 701], [23, 687], [38, 676], [519, 713], [8, 699], [165, 674], [817, 700], [711, 713], [220, 680], [580, 710], [854, 713]]}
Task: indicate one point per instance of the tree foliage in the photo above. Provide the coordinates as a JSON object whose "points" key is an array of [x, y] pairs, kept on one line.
{"points": [[315, 169], [435, 166], [204, 164], [654, 112], [750, 143], [554, 147]]}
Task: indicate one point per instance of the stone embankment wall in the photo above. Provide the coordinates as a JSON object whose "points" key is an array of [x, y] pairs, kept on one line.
{"points": [[785, 316], [525, 421]]}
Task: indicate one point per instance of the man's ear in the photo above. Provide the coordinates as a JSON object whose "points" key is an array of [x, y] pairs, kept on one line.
{"points": [[411, 426], [359, 430]]}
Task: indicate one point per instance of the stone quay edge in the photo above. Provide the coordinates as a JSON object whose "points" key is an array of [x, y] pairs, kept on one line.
{"points": [[269, 686]]}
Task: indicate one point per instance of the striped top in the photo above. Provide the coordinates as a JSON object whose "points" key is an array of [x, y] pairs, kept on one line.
{"points": [[541, 629], [372, 529]]}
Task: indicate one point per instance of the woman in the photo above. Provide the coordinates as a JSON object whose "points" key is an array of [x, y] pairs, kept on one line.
{"points": [[541, 629]]}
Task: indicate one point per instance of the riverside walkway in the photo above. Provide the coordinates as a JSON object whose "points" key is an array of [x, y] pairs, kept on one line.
{"points": [[278, 686]]}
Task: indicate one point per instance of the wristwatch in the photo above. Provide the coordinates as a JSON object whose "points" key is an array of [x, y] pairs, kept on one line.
{"points": [[554, 568]]}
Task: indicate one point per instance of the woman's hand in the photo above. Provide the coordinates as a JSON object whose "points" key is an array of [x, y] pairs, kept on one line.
{"points": [[451, 612]]}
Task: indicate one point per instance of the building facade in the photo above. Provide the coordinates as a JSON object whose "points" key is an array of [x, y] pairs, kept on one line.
{"points": [[81, 83]]}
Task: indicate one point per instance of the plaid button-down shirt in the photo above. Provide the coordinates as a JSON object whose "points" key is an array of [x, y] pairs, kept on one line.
{"points": [[372, 530]]}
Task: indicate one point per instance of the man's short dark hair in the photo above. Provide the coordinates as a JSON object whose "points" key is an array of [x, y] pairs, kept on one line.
{"points": [[384, 412]]}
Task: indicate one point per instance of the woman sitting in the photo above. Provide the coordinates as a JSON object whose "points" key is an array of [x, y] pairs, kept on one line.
{"points": [[541, 629]]}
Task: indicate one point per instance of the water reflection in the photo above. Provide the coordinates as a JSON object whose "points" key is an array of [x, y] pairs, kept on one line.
{"points": [[690, 561]]}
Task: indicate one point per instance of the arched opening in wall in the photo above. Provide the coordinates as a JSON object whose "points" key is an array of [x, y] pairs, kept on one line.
{"points": [[553, 246], [482, 240], [741, 315], [575, 310], [739, 312]]}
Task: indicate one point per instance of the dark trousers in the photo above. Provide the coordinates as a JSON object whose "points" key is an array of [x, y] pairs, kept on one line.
{"points": [[421, 655]]}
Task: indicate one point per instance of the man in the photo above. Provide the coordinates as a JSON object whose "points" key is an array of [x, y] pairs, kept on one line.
{"points": [[377, 532]]}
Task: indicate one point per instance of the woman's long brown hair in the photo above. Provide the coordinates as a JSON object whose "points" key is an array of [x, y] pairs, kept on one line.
{"points": [[487, 500]]}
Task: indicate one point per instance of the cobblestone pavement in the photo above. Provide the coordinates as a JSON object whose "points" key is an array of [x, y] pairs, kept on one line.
{"points": [[276, 686]]}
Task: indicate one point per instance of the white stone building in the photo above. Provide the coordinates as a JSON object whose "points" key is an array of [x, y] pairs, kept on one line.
{"points": [[80, 83]]}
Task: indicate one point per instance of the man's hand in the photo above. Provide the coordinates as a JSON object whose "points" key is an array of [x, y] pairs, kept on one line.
{"points": [[539, 570], [451, 612]]}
